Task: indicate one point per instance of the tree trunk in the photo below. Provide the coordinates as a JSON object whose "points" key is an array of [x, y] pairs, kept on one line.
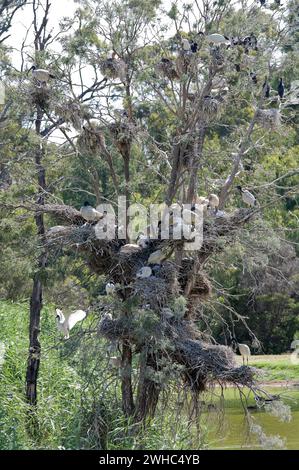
{"points": [[126, 383]]}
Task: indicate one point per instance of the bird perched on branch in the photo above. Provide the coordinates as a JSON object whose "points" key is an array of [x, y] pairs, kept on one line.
{"points": [[65, 324], [89, 213], [247, 196], [266, 89], [280, 88], [217, 38], [41, 75], [186, 45]]}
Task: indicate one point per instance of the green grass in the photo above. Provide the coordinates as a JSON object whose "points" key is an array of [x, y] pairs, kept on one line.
{"points": [[276, 368]]}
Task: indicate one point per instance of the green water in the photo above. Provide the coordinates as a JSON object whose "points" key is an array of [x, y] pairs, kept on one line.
{"points": [[228, 429]]}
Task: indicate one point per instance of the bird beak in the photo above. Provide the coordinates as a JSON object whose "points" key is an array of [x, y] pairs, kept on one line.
{"points": [[31, 68]]}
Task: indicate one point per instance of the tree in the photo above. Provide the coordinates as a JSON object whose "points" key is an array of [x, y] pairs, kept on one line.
{"points": [[153, 105]]}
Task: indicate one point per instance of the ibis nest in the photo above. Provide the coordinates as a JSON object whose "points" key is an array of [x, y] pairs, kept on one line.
{"points": [[202, 364], [91, 140], [114, 68], [40, 96], [167, 68], [269, 118], [211, 106], [122, 133], [73, 112]]}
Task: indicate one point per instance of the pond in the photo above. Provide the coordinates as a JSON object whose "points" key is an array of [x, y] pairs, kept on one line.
{"points": [[230, 430]]}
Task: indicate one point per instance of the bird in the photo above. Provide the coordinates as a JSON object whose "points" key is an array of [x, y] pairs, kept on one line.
{"points": [[280, 88], [295, 344], [110, 288], [244, 350], [144, 272], [186, 45], [194, 47], [217, 38], [247, 196], [213, 201], [130, 248], [89, 213], [253, 77], [262, 2], [266, 90], [156, 257], [143, 241], [65, 324], [42, 75]]}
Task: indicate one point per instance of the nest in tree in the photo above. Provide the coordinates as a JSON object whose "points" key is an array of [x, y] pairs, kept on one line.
{"points": [[218, 57], [91, 140], [114, 68], [160, 289], [204, 363], [122, 133], [167, 68], [184, 63], [211, 105], [74, 113], [40, 96], [269, 118]]}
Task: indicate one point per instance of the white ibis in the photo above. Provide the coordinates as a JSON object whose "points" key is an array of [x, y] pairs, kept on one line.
{"points": [[110, 288], [247, 196], [65, 324], [42, 75], [89, 213]]}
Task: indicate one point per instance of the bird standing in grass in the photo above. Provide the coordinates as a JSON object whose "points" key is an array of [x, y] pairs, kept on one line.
{"points": [[42, 75], [247, 196], [89, 213], [244, 350], [65, 324], [280, 88]]}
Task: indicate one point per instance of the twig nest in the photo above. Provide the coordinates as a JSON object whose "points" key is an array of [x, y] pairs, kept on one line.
{"points": [[211, 105], [91, 140], [269, 118], [114, 68], [167, 68], [40, 96], [73, 112]]}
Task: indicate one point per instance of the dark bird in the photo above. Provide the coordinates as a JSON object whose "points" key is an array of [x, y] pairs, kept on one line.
{"points": [[194, 47], [278, 2], [253, 77], [238, 67], [266, 89], [262, 2], [253, 41], [280, 88]]}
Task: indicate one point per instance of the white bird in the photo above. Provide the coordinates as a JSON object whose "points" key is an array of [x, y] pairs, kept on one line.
{"points": [[110, 288], [89, 213], [143, 241], [156, 257], [295, 344], [186, 45], [217, 38], [41, 75], [144, 272], [213, 201], [247, 196], [244, 350], [130, 248], [66, 324]]}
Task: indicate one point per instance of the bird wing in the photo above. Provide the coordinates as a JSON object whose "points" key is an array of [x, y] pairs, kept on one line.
{"points": [[75, 317], [60, 314]]}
